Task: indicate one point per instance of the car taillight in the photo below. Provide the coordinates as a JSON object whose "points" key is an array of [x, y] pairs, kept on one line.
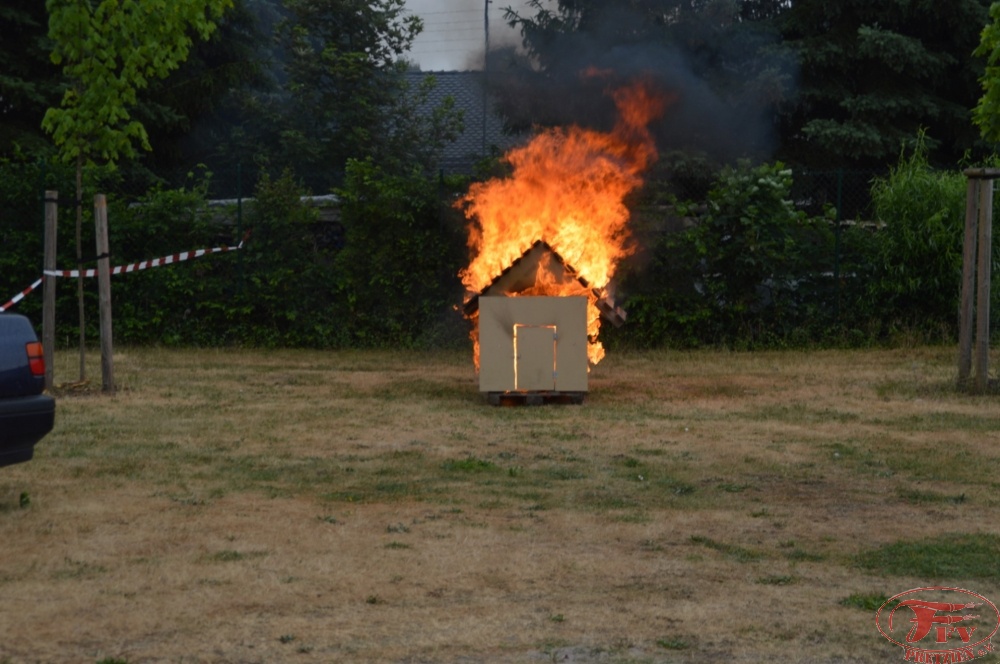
{"points": [[36, 359]]}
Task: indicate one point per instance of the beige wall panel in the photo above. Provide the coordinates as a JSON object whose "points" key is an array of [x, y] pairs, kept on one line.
{"points": [[497, 318]]}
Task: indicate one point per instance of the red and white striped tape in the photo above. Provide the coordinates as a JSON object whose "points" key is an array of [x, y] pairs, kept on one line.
{"points": [[123, 269], [20, 296], [143, 265]]}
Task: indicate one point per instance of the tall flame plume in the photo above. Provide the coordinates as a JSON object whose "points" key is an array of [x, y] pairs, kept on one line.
{"points": [[567, 187]]}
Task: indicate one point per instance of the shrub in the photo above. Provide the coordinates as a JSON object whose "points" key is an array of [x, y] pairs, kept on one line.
{"points": [[918, 254], [753, 270], [397, 276]]}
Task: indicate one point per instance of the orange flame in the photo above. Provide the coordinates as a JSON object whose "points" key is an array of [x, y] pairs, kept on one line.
{"points": [[568, 188]]}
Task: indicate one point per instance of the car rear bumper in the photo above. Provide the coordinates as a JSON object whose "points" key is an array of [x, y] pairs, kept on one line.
{"points": [[23, 422]]}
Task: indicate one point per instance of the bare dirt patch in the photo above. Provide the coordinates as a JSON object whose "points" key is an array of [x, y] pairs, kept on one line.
{"points": [[235, 506]]}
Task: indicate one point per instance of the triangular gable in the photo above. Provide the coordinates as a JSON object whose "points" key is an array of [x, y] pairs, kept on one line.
{"points": [[521, 275]]}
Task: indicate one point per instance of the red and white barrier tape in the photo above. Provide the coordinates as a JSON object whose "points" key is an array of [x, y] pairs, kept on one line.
{"points": [[123, 269], [20, 296], [143, 265]]}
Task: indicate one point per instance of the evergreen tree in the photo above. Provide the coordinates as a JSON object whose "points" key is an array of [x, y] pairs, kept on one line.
{"points": [[193, 116], [873, 74], [29, 82], [987, 111], [347, 96]]}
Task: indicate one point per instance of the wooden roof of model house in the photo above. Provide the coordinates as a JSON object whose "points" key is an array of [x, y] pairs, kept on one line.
{"points": [[522, 273]]}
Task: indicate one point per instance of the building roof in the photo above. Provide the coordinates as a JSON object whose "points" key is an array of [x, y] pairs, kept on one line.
{"points": [[521, 275], [484, 131]]}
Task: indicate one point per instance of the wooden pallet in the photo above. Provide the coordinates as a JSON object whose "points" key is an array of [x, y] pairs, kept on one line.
{"points": [[534, 398]]}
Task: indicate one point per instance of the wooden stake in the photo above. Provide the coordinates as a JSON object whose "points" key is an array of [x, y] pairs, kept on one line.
{"points": [[104, 290], [983, 285], [49, 284], [80, 307]]}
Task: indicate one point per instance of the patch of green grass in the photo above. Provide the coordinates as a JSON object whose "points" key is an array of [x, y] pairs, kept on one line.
{"points": [[776, 580], [562, 473], [936, 462], [890, 455], [646, 451], [674, 487], [800, 413], [672, 643], [231, 555], [469, 465], [947, 421], [634, 517], [948, 558], [800, 556], [920, 497], [76, 569], [606, 498], [631, 462], [397, 545], [442, 393], [732, 551], [398, 490], [910, 389], [865, 601], [865, 461]]}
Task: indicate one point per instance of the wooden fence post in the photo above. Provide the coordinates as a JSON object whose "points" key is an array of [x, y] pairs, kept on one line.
{"points": [[976, 255], [104, 291], [983, 284], [49, 284]]}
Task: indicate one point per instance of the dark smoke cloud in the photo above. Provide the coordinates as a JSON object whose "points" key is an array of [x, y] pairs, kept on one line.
{"points": [[739, 124]]}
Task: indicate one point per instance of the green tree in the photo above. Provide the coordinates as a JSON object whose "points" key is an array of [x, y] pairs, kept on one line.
{"points": [[987, 112], [874, 73], [29, 83], [348, 97], [110, 50], [191, 114]]}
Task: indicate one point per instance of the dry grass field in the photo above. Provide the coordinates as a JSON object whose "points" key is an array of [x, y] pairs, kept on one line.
{"points": [[237, 506]]}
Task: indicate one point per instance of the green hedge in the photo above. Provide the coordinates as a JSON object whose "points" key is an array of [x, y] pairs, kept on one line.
{"points": [[750, 269]]}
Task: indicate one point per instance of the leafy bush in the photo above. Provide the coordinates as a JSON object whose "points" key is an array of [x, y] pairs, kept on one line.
{"points": [[175, 304], [397, 276], [753, 270], [288, 295], [918, 260], [24, 178], [748, 269]]}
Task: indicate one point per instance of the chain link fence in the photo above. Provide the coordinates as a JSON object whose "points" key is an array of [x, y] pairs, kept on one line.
{"points": [[846, 191], [843, 196]]}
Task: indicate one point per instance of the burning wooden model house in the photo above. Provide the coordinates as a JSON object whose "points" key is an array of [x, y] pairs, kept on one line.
{"points": [[545, 244], [532, 345]]}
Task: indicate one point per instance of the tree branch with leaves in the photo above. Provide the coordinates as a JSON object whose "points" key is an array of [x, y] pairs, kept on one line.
{"points": [[109, 51]]}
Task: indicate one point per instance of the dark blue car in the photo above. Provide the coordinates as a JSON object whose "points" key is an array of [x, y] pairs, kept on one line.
{"points": [[26, 414]]}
